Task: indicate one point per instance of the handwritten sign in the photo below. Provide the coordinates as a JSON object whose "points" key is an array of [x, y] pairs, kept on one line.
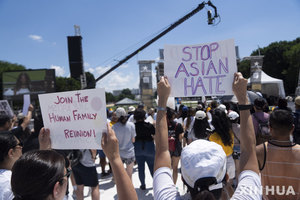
{"points": [[201, 70], [76, 119], [5, 108]]}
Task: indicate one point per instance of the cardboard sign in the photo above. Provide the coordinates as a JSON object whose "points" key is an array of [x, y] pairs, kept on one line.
{"points": [[76, 119], [5, 108], [201, 70]]}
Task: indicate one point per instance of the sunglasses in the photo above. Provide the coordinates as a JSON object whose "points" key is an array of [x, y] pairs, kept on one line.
{"points": [[20, 144], [68, 173]]}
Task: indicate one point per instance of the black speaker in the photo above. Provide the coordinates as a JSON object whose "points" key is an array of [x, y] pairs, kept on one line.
{"points": [[75, 56]]}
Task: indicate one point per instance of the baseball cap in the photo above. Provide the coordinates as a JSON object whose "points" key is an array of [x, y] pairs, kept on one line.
{"points": [[233, 115], [203, 159], [131, 109], [200, 114], [297, 100], [121, 112], [222, 107]]}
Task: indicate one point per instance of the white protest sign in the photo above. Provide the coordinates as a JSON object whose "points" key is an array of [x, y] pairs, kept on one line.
{"points": [[200, 70], [76, 119], [26, 103], [5, 108]]}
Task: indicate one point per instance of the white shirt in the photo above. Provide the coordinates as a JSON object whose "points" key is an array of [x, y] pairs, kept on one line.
{"points": [[5, 188], [164, 188]]}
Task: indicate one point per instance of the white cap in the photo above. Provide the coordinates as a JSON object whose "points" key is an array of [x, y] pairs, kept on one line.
{"points": [[200, 114], [233, 115], [121, 112], [131, 109], [223, 108], [203, 159]]}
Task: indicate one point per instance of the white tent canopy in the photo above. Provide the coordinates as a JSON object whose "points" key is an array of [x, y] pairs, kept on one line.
{"points": [[269, 85]]}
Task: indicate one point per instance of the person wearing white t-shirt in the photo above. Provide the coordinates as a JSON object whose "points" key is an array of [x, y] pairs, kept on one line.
{"points": [[10, 152], [203, 163]]}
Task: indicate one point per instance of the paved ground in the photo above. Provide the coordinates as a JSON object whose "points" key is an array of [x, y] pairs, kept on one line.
{"points": [[108, 189]]}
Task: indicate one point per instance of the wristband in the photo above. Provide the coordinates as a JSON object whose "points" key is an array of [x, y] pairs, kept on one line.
{"points": [[245, 107], [161, 109]]}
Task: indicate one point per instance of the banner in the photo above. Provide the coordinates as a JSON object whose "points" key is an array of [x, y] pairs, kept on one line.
{"points": [[201, 70], [76, 119]]}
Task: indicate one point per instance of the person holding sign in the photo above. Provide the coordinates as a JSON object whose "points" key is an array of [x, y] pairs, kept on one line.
{"points": [[203, 163]]}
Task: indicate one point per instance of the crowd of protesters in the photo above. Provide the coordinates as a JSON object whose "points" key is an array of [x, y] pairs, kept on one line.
{"points": [[222, 151]]}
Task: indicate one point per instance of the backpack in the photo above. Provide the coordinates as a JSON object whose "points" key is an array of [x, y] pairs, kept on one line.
{"points": [[172, 141], [296, 133], [263, 133]]}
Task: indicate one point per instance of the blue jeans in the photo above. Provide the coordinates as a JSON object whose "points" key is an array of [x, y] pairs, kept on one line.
{"points": [[144, 152]]}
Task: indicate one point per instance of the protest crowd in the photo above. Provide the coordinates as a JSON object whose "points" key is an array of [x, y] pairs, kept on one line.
{"points": [[219, 151]]}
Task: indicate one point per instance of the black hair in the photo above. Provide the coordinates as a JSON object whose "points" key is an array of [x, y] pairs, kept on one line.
{"points": [[281, 120], [4, 119], [222, 126], [214, 104], [139, 114], [204, 193], [19, 83], [7, 141], [259, 103], [200, 126], [170, 114], [35, 174], [123, 120]]}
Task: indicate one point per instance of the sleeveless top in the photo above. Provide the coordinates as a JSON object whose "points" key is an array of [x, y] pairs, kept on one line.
{"points": [[280, 173]]}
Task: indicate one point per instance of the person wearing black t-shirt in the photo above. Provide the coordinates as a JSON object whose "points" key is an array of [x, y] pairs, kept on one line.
{"points": [[175, 131], [144, 145]]}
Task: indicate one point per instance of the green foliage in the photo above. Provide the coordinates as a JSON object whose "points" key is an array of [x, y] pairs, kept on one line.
{"points": [[5, 67], [282, 61], [67, 84], [90, 80], [109, 97], [125, 93], [244, 67]]}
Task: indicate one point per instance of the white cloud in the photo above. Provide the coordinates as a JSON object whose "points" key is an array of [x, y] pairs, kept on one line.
{"points": [[59, 71], [36, 38], [115, 80], [91, 70], [124, 66]]}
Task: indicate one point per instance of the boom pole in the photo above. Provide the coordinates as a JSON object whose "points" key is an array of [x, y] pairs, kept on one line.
{"points": [[171, 27]]}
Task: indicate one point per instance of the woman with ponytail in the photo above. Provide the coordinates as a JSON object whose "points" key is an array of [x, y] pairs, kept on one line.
{"points": [[224, 136], [203, 163]]}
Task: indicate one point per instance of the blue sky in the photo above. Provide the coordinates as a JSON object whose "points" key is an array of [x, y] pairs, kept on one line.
{"points": [[34, 32]]}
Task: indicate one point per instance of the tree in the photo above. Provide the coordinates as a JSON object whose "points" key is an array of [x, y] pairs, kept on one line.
{"points": [[90, 80], [67, 84], [109, 97], [5, 67], [281, 60], [244, 67], [126, 93]]}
